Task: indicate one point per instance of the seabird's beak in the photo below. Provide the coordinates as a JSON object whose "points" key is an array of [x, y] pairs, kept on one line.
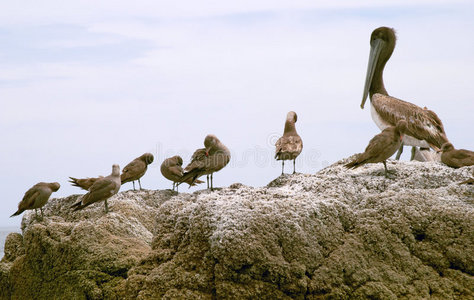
{"points": [[376, 47]]}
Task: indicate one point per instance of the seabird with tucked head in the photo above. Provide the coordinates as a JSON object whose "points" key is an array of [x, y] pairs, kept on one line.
{"points": [[172, 169], [208, 160], [136, 169], [36, 197], [424, 128], [289, 146], [381, 147], [456, 158]]}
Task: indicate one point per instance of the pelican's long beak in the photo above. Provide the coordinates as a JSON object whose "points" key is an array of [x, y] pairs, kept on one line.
{"points": [[375, 49]]}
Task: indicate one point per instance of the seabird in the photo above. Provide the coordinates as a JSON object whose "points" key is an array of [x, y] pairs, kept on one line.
{"points": [[101, 190], [456, 158], [36, 197], [84, 183], [424, 128], [381, 147], [136, 169], [289, 146], [172, 169], [206, 161]]}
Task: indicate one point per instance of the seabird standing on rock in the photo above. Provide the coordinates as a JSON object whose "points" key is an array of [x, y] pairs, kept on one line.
{"points": [[84, 183], [289, 146], [424, 128], [456, 158], [381, 147], [172, 169], [36, 197], [206, 161], [136, 169], [101, 190]]}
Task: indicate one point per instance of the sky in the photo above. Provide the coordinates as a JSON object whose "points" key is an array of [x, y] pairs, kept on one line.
{"points": [[87, 84]]}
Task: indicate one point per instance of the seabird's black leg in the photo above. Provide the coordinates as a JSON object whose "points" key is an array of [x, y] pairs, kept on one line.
{"points": [[399, 153], [42, 215], [133, 184], [106, 206], [282, 166], [36, 213], [139, 183], [177, 185], [386, 170], [207, 179], [212, 184], [294, 168]]}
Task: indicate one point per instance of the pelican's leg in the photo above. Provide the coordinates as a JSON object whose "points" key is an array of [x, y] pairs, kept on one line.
{"points": [[106, 206], [177, 185], [212, 184], [36, 213], [133, 184], [207, 179], [139, 183], [173, 185], [413, 152], [282, 166], [399, 153], [294, 168], [42, 215]]}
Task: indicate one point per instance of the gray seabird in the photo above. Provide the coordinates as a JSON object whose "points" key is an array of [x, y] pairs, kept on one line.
{"points": [[456, 158], [206, 161], [36, 197], [381, 147], [101, 190], [172, 169], [424, 128], [289, 146], [136, 169]]}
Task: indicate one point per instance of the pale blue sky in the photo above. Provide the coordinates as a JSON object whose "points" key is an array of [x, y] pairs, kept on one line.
{"points": [[88, 84]]}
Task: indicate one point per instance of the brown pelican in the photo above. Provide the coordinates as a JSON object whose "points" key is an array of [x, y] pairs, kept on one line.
{"points": [[424, 128]]}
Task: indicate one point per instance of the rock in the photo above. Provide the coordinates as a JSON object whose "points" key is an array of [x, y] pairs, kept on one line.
{"points": [[336, 234]]}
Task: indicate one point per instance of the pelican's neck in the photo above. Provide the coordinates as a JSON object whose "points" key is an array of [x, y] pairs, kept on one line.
{"points": [[377, 86]]}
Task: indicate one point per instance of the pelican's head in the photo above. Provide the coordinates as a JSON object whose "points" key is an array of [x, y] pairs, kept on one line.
{"points": [[382, 43]]}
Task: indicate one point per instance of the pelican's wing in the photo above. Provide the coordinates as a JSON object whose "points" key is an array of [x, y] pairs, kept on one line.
{"points": [[423, 124]]}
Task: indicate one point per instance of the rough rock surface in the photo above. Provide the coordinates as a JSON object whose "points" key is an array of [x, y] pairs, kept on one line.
{"points": [[337, 234]]}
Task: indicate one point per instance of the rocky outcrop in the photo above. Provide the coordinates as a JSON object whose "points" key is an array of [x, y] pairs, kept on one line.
{"points": [[337, 234]]}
